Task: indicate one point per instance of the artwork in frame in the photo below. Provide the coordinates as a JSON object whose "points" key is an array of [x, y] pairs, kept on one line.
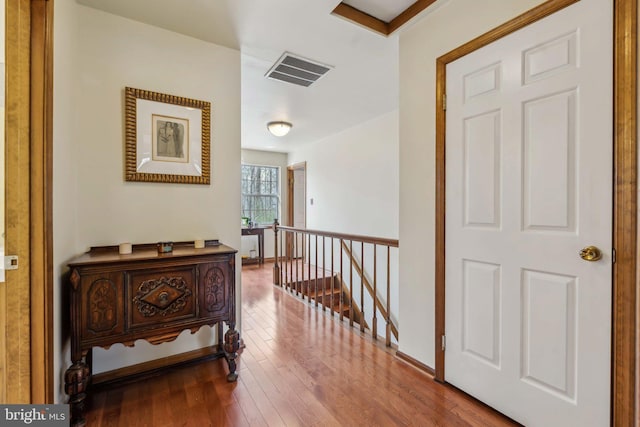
{"points": [[167, 138]]}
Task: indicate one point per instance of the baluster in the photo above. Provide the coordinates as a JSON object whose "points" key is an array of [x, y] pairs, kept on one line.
{"points": [[388, 332], [285, 267], [374, 322], [289, 255], [340, 284], [324, 284], [315, 281], [362, 287], [295, 251], [332, 279], [351, 283], [301, 276], [290, 251], [305, 258], [282, 267], [309, 272], [276, 266]]}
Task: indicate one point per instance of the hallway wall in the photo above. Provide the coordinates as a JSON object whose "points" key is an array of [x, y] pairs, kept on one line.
{"points": [[96, 56]]}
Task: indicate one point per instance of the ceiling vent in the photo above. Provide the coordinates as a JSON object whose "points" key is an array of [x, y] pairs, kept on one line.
{"points": [[296, 70]]}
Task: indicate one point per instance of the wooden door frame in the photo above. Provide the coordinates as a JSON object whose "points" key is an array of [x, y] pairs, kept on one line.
{"points": [[624, 349], [290, 203], [28, 194], [290, 182], [41, 224]]}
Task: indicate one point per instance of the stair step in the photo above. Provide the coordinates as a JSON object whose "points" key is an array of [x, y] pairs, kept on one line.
{"points": [[305, 286], [306, 289], [324, 296]]}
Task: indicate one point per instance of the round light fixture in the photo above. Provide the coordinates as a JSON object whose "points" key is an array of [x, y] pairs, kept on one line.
{"points": [[279, 128]]}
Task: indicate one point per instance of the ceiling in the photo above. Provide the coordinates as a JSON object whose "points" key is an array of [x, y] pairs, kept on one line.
{"points": [[362, 84]]}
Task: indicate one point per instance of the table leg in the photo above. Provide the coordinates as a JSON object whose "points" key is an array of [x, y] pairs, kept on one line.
{"points": [[261, 246], [231, 346], [76, 380], [220, 337]]}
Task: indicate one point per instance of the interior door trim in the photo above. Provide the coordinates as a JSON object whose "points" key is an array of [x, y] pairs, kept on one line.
{"points": [[41, 194], [290, 198], [624, 350], [28, 354]]}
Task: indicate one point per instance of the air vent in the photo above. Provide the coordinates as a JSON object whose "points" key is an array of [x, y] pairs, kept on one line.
{"points": [[296, 70]]}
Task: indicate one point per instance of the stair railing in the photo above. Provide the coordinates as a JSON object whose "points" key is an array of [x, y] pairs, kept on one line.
{"points": [[320, 265]]}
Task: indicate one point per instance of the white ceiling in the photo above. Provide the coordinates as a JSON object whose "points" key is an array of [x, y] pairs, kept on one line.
{"points": [[362, 85]]}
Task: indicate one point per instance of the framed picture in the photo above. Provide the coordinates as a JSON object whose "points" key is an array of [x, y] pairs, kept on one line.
{"points": [[167, 138]]}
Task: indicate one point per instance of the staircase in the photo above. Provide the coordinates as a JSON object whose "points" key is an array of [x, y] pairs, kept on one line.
{"points": [[309, 264], [327, 291]]}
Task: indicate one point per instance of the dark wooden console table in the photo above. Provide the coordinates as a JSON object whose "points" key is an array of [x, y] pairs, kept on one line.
{"points": [[255, 231], [145, 295]]}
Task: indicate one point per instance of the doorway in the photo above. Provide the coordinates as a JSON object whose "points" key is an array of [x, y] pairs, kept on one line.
{"points": [[297, 208], [624, 293]]}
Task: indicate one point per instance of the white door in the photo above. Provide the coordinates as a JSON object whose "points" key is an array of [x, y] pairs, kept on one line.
{"points": [[529, 178]]}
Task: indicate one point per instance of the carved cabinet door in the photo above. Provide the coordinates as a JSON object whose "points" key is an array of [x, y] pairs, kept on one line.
{"points": [[161, 295], [102, 294], [214, 290]]}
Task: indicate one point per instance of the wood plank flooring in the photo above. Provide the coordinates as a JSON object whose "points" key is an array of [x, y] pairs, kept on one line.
{"points": [[300, 367]]}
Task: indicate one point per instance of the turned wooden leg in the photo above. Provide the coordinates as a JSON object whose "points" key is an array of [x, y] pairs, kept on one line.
{"points": [[220, 337], [76, 379], [231, 346]]}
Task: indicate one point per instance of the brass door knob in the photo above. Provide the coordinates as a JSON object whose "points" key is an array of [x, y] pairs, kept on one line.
{"points": [[590, 253]]}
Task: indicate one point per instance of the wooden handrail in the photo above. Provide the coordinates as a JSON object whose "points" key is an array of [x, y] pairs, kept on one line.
{"points": [[356, 238], [367, 284], [314, 286]]}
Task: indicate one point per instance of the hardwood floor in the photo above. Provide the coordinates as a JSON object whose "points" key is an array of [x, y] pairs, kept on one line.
{"points": [[300, 367]]}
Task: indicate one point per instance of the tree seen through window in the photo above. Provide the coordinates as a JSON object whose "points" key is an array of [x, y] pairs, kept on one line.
{"points": [[260, 193]]}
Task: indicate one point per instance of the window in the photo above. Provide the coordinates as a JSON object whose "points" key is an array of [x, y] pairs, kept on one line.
{"points": [[260, 193]]}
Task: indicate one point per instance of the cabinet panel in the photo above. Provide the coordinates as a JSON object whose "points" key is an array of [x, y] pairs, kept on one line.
{"points": [[160, 296], [214, 298], [103, 309]]}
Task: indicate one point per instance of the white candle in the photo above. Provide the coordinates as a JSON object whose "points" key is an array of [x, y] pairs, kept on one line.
{"points": [[124, 248], [198, 243]]}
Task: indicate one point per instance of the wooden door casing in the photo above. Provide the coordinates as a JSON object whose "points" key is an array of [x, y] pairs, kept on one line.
{"points": [[27, 295]]}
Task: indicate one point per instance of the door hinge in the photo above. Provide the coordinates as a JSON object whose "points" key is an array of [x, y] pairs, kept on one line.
{"points": [[11, 262], [444, 102], [613, 256], [444, 342]]}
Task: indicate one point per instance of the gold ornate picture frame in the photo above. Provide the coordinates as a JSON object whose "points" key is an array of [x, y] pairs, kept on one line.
{"points": [[167, 138]]}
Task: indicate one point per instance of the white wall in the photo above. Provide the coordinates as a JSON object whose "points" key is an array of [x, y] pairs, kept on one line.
{"points": [[267, 158], [65, 182], [96, 56], [352, 178], [448, 27]]}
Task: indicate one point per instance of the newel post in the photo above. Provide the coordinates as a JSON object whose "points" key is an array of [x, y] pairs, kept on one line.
{"points": [[276, 266]]}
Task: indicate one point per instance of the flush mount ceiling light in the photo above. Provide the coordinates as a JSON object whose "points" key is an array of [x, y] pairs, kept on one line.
{"points": [[279, 128]]}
